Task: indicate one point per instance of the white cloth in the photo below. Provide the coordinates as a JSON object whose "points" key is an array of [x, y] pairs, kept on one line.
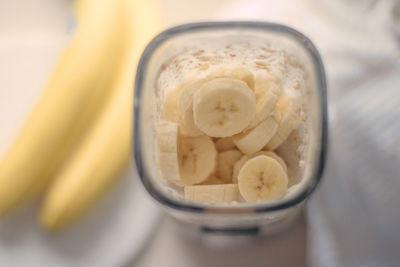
{"points": [[354, 215]]}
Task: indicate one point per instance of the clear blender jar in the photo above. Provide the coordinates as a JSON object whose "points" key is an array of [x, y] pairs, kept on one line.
{"points": [[259, 218]]}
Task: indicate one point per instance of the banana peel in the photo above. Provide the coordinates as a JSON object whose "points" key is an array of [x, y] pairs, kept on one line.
{"points": [[105, 152], [76, 92]]}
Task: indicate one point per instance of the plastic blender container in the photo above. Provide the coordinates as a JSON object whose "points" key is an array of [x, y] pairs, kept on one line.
{"points": [[243, 218]]}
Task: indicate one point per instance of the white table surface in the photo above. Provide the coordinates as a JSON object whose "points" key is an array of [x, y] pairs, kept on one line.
{"points": [[167, 247]]}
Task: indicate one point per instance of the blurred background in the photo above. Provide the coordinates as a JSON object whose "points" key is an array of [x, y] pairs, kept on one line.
{"points": [[351, 220]]}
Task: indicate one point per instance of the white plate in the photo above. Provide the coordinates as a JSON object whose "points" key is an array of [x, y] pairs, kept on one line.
{"points": [[118, 227]]}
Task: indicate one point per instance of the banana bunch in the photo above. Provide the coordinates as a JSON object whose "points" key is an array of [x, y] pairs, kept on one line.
{"points": [[217, 136], [77, 139]]}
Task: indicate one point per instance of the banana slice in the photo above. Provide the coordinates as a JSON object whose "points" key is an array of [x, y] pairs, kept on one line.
{"points": [[253, 140], [224, 144], [185, 104], [197, 159], [289, 107], [239, 164], [167, 139], [222, 193], [225, 163], [169, 166], [262, 179], [170, 109], [236, 73], [223, 107], [267, 91], [274, 156]]}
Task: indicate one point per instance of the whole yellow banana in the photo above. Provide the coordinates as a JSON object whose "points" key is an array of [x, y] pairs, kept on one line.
{"points": [[77, 89], [106, 150]]}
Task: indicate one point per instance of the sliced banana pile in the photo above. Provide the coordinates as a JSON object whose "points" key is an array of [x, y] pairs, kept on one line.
{"points": [[217, 136]]}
